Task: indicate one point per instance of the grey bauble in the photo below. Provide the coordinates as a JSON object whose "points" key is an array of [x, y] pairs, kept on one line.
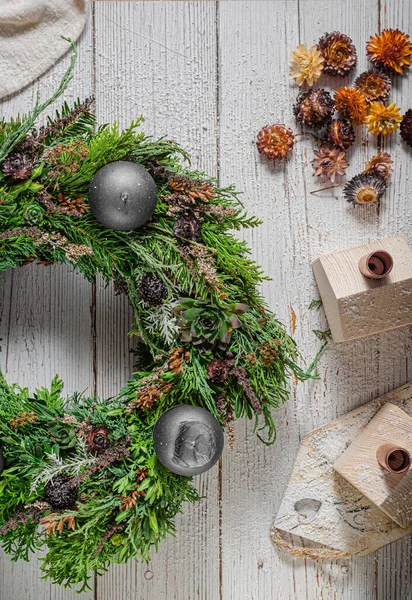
{"points": [[188, 440], [1, 462], [122, 195]]}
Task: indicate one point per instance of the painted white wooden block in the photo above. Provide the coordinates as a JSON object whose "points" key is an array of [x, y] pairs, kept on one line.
{"points": [[378, 463], [357, 305]]}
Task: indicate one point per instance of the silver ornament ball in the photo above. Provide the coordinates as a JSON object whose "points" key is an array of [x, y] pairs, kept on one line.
{"points": [[188, 440], [122, 195]]}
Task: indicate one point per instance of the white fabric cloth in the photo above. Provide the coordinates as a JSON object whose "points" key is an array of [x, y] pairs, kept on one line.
{"points": [[30, 37]]}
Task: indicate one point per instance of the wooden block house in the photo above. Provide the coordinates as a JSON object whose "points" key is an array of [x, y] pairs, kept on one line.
{"points": [[378, 463], [366, 289]]}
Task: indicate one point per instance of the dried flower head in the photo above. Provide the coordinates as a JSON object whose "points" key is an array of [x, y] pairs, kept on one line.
{"points": [[329, 162], [380, 164], [374, 85], [383, 119], [187, 227], [268, 353], [351, 105], [218, 370], [275, 141], [314, 108], [341, 134], [18, 165], [22, 419], [366, 188], [97, 439], [406, 127], [339, 53], [391, 50], [306, 65]]}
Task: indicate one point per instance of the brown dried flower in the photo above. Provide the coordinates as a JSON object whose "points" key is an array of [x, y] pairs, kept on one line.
{"points": [[314, 108], [329, 162], [218, 370], [380, 164], [340, 134], [97, 439], [374, 85], [339, 53]]}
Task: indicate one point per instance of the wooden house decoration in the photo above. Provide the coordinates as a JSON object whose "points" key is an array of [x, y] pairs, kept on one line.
{"points": [[366, 289], [323, 514], [378, 463]]}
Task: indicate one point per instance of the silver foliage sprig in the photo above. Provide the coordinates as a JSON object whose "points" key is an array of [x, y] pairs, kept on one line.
{"points": [[54, 465], [162, 320]]}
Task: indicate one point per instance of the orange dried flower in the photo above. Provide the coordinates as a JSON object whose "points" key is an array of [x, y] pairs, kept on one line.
{"points": [[275, 141], [351, 104], [391, 50], [374, 85]]}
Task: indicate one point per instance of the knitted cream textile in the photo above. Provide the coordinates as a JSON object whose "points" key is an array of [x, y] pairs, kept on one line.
{"points": [[30, 37]]}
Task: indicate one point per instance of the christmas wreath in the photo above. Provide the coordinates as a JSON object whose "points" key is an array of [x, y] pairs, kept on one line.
{"points": [[81, 475]]}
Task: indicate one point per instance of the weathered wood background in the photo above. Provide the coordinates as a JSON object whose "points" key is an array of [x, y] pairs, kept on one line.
{"points": [[210, 75]]}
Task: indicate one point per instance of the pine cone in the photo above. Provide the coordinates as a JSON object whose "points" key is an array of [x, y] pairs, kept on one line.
{"points": [[193, 189], [72, 206], [153, 289], [314, 108], [406, 127], [341, 134], [187, 227], [61, 492], [97, 440], [18, 166]]}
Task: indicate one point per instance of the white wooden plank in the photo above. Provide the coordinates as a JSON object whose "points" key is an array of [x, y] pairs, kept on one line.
{"points": [[394, 564], [255, 42], [159, 59], [45, 324]]}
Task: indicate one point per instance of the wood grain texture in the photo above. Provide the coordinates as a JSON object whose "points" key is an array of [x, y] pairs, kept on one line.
{"points": [[45, 324], [159, 59], [210, 75]]}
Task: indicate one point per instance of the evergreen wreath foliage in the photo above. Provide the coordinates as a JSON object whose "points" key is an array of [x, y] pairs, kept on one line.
{"points": [[209, 340]]}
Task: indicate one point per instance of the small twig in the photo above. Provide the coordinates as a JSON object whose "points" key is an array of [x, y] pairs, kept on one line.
{"points": [[329, 187]]}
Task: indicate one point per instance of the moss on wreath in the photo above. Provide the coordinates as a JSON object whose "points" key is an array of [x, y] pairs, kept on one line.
{"points": [[205, 336]]}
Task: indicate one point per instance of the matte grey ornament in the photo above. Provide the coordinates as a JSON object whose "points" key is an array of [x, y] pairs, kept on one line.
{"points": [[122, 195], [1, 462], [188, 440]]}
